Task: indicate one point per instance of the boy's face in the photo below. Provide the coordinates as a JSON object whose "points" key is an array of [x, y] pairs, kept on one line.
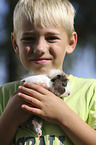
{"points": [[41, 49]]}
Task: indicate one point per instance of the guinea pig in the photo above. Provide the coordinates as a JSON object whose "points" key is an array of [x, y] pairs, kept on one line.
{"points": [[56, 82]]}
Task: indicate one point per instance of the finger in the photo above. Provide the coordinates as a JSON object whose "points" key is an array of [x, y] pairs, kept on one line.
{"points": [[36, 87], [30, 92], [44, 85], [32, 110], [32, 101]]}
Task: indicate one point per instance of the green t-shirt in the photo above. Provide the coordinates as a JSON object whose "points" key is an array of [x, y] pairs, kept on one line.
{"points": [[82, 101]]}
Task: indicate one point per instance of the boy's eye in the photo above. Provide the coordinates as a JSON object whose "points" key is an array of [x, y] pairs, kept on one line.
{"points": [[52, 38], [28, 39]]}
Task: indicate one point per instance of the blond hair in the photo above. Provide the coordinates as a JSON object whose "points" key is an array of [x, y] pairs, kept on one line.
{"points": [[58, 13]]}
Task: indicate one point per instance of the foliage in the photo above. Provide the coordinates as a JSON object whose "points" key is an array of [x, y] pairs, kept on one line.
{"points": [[85, 19]]}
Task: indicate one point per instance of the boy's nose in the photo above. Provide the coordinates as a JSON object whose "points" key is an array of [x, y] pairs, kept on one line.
{"points": [[41, 47]]}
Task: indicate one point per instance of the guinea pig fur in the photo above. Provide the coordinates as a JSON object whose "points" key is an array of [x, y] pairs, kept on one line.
{"points": [[56, 82]]}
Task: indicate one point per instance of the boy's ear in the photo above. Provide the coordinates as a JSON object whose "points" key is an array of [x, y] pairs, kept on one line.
{"points": [[15, 46], [72, 43]]}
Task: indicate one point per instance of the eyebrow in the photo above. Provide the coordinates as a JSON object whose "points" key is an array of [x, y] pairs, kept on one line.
{"points": [[53, 33], [27, 33], [32, 32], [48, 33]]}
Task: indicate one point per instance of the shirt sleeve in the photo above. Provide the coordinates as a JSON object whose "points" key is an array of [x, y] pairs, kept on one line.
{"points": [[6, 91], [92, 110], [92, 116]]}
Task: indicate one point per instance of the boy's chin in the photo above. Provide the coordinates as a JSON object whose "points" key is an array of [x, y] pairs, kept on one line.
{"points": [[42, 70]]}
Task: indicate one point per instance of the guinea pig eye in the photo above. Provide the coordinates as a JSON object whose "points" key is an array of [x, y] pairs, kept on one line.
{"points": [[58, 76], [63, 84]]}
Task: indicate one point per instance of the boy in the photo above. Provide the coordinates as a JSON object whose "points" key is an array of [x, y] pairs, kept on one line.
{"points": [[43, 34]]}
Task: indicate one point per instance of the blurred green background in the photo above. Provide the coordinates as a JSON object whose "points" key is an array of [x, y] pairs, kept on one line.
{"points": [[81, 63]]}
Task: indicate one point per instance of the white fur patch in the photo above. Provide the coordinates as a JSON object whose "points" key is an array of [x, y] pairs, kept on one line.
{"points": [[38, 79]]}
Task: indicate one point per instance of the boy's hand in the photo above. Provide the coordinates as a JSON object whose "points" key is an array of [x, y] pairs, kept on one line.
{"points": [[13, 111], [47, 105]]}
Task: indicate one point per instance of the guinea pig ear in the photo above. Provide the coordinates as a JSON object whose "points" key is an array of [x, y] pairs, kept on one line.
{"points": [[15, 46], [55, 78]]}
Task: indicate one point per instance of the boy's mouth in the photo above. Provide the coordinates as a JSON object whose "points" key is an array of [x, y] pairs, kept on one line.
{"points": [[40, 61]]}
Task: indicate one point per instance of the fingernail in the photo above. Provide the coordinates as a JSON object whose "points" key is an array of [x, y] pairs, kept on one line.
{"points": [[24, 83], [19, 87]]}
